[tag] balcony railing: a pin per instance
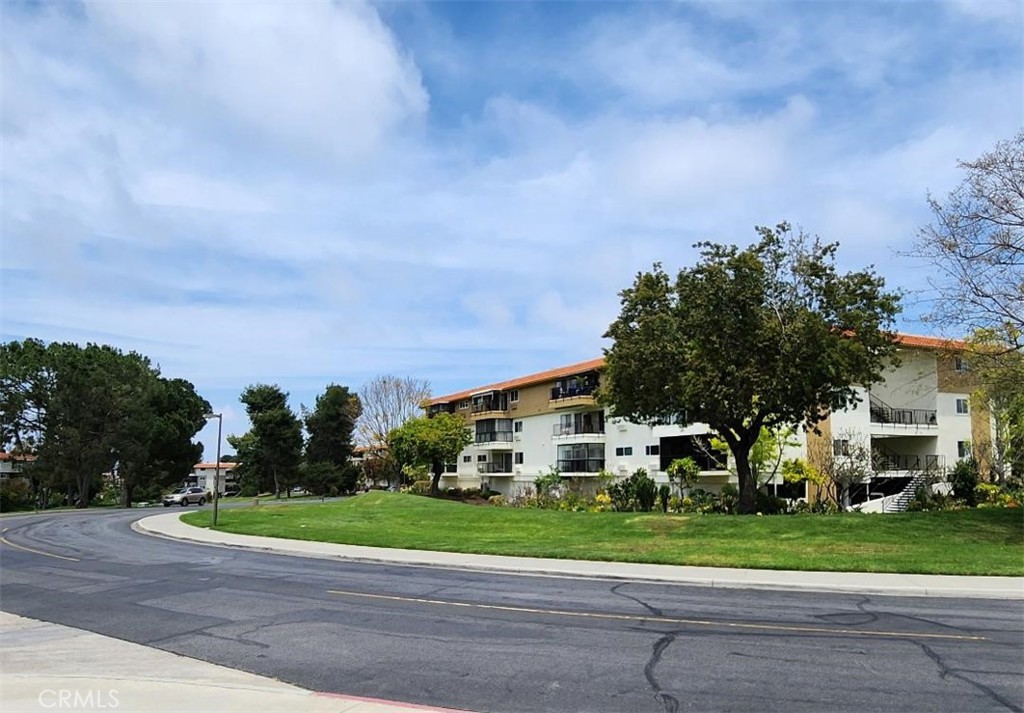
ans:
(494, 468)
(882, 412)
(494, 437)
(489, 406)
(889, 462)
(581, 465)
(569, 392)
(572, 429)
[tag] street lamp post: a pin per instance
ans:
(216, 471)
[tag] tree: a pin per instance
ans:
(975, 242)
(430, 441)
(766, 456)
(272, 449)
(836, 466)
(86, 411)
(685, 472)
(1000, 376)
(158, 450)
(769, 336)
(330, 426)
(387, 402)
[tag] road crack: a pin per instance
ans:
(653, 610)
(670, 702)
(945, 671)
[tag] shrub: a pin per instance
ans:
(964, 479)
(420, 487)
(15, 494)
(453, 492)
(498, 501)
(602, 503)
(771, 505)
(646, 490)
(729, 497)
(663, 493)
(990, 495)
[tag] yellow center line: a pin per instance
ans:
(38, 552)
(661, 619)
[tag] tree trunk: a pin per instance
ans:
(435, 482)
(748, 483)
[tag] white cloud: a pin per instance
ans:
(325, 76)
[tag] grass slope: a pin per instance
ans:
(980, 542)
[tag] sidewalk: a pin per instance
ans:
(48, 666)
(917, 585)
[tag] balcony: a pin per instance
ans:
(884, 414)
(562, 430)
(892, 462)
(580, 465)
(494, 439)
(567, 396)
(494, 468)
(489, 405)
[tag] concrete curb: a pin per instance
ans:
(170, 526)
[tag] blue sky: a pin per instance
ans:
(307, 193)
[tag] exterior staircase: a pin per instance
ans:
(899, 504)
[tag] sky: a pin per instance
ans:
(306, 193)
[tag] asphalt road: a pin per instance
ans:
(495, 642)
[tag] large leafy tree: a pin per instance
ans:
(159, 450)
(430, 441)
(330, 425)
(768, 336)
(271, 450)
(85, 411)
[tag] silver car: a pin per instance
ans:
(184, 496)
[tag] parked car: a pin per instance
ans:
(184, 496)
(231, 493)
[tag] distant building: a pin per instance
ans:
(203, 475)
(11, 465)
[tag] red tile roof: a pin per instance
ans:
(905, 340)
(225, 465)
(538, 378)
(912, 340)
(10, 456)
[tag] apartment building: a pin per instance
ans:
(920, 418)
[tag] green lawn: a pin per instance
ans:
(987, 541)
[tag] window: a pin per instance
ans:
(961, 365)
(513, 395)
(962, 407)
(467, 459)
(518, 457)
(517, 427)
(482, 458)
(652, 450)
(581, 458)
(624, 451)
(464, 404)
(451, 467)
(963, 449)
(841, 447)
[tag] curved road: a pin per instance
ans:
(497, 642)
